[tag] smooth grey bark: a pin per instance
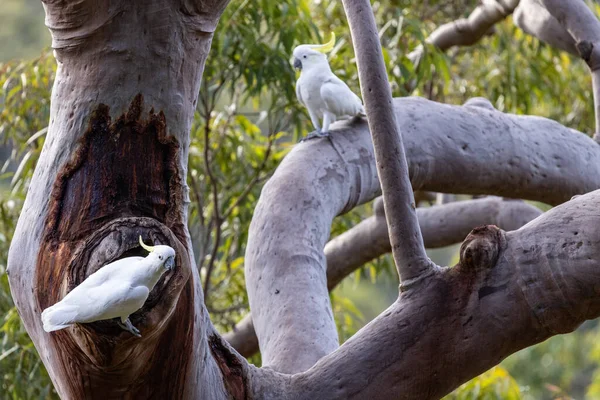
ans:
(468, 31)
(577, 18)
(469, 149)
(510, 290)
(533, 18)
(441, 226)
(111, 48)
(556, 23)
(408, 249)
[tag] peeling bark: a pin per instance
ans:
(113, 167)
(440, 225)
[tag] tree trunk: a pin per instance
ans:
(114, 167)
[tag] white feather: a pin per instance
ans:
(116, 290)
(324, 95)
(340, 100)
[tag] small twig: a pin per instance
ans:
(200, 206)
(216, 215)
(199, 200)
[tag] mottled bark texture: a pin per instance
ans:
(510, 290)
(469, 149)
(113, 167)
(441, 226)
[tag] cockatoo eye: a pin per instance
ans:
(160, 257)
(305, 56)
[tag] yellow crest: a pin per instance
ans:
(327, 47)
(149, 249)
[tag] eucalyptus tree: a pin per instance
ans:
(114, 166)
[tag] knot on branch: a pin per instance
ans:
(480, 102)
(585, 48)
(481, 248)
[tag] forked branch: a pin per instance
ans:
(441, 225)
(469, 149)
(576, 18)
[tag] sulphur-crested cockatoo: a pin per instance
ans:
(325, 95)
(116, 290)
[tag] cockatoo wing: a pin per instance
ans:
(111, 270)
(95, 303)
(339, 99)
(299, 92)
(59, 316)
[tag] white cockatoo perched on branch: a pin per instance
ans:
(325, 95)
(116, 290)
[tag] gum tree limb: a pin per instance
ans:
(468, 31)
(408, 249)
(470, 149)
(509, 291)
(441, 226)
(578, 20)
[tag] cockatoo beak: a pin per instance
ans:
(170, 263)
(297, 64)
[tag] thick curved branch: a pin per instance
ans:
(509, 291)
(581, 23)
(468, 31)
(408, 250)
(469, 149)
(578, 20)
(532, 17)
(440, 226)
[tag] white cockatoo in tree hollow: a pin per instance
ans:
(324, 95)
(116, 290)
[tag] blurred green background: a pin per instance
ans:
(248, 118)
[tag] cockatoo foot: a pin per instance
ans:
(314, 134)
(128, 326)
